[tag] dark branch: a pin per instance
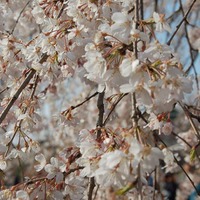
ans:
(100, 106)
(21, 88)
(16, 95)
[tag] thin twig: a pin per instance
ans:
(61, 10)
(187, 113)
(73, 170)
(172, 16)
(95, 194)
(181, 139)
(113, 108)
(4, 90)
(35, 180)
(191, 64)
(190, 47)
(191, 181)
(179, 25)
(80, 104)
(16, 22)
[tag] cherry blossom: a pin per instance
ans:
(161, 24)
(42, 162)
(53, 169)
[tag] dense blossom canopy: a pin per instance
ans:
(93, 104)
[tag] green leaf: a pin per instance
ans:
(192, 154)
(125, 189)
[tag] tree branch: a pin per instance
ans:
(99, 124)
(21, 88)
(16, 95)
(100, 106)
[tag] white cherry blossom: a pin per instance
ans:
(54, 170)
(42, 162)
(161, 24)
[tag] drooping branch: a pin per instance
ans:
(178, 163)
(179, 25)
(20, 14)
(190, 46)
(188, 115)
(178, 136)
